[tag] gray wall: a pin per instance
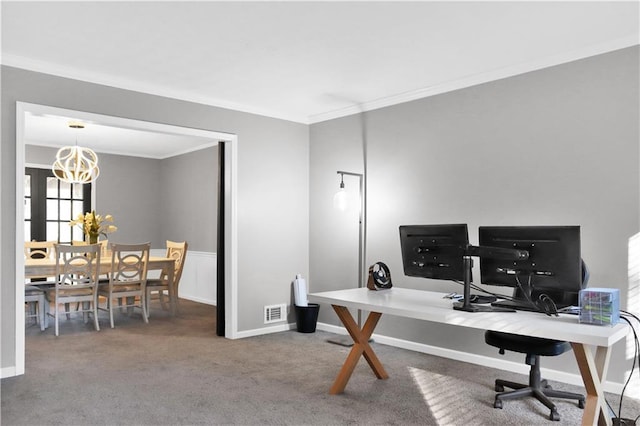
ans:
(136, 208)
(272, 187)
(555, 146)
(188, 199)
(129, 189)
(169, 200)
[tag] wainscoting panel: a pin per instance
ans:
(198, 282)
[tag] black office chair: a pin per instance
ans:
(534, 348)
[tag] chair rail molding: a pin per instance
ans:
(198, 281)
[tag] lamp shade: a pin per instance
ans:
(76, 164)
(340, 199)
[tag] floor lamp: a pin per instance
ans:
(340, 203)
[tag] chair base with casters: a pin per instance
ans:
(538, 388)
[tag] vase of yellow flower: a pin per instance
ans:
(93, 225)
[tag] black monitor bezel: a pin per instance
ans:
(446, 247)
(541, 242)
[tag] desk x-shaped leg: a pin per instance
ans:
(361, 347)
(593, 371)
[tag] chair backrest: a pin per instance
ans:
(77, 266)
(129, 264)
(178, 252)
(39, 249)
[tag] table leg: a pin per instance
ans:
(593, 371)
(361, 347)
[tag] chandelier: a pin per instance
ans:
(75, 164)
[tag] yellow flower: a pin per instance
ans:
(93, 224)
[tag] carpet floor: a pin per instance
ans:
(175, 371)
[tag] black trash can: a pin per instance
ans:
(307, 317)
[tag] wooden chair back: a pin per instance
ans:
(129, 264)
(77, 267)
(178, 252)
(39, 249)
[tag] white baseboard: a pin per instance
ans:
(8, 372)
(198, 282)
(266, 330)
(514, 367)
(198, 299)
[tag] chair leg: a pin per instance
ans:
(85, 312)
(95, 314)
(45, 313)
(501, 384)
(111, 312)
(161, 298)
(57, 314)
(130, 302)
(42, 315)
(147, 301)
(145, 313)
(538, 388)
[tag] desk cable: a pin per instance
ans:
(618, 419)
(545, 304)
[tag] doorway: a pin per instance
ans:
(229, 284)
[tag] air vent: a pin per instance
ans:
(275, 313)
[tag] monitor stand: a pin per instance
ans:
(466, 304)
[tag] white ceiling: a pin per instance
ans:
(306, 61)
(54, 131)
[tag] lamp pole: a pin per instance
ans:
(362, 244)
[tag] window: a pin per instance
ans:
(49, 205)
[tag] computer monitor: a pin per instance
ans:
(434, 251)
(553, 268)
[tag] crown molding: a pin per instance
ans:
(137, 86)
(448, 86)
(476, 79)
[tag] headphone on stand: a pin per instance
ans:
(379, 277)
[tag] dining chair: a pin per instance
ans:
(35, 287)
(127, 279)
(77, 269)
(39, 249)
(178, 252)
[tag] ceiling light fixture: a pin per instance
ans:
(75, 164)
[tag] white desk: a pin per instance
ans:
(430, 306)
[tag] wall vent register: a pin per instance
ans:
(275, 313)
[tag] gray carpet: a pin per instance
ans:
(175, 371)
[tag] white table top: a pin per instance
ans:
(431, 306)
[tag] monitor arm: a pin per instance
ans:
(483, 251)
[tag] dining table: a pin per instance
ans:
(47, 268)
